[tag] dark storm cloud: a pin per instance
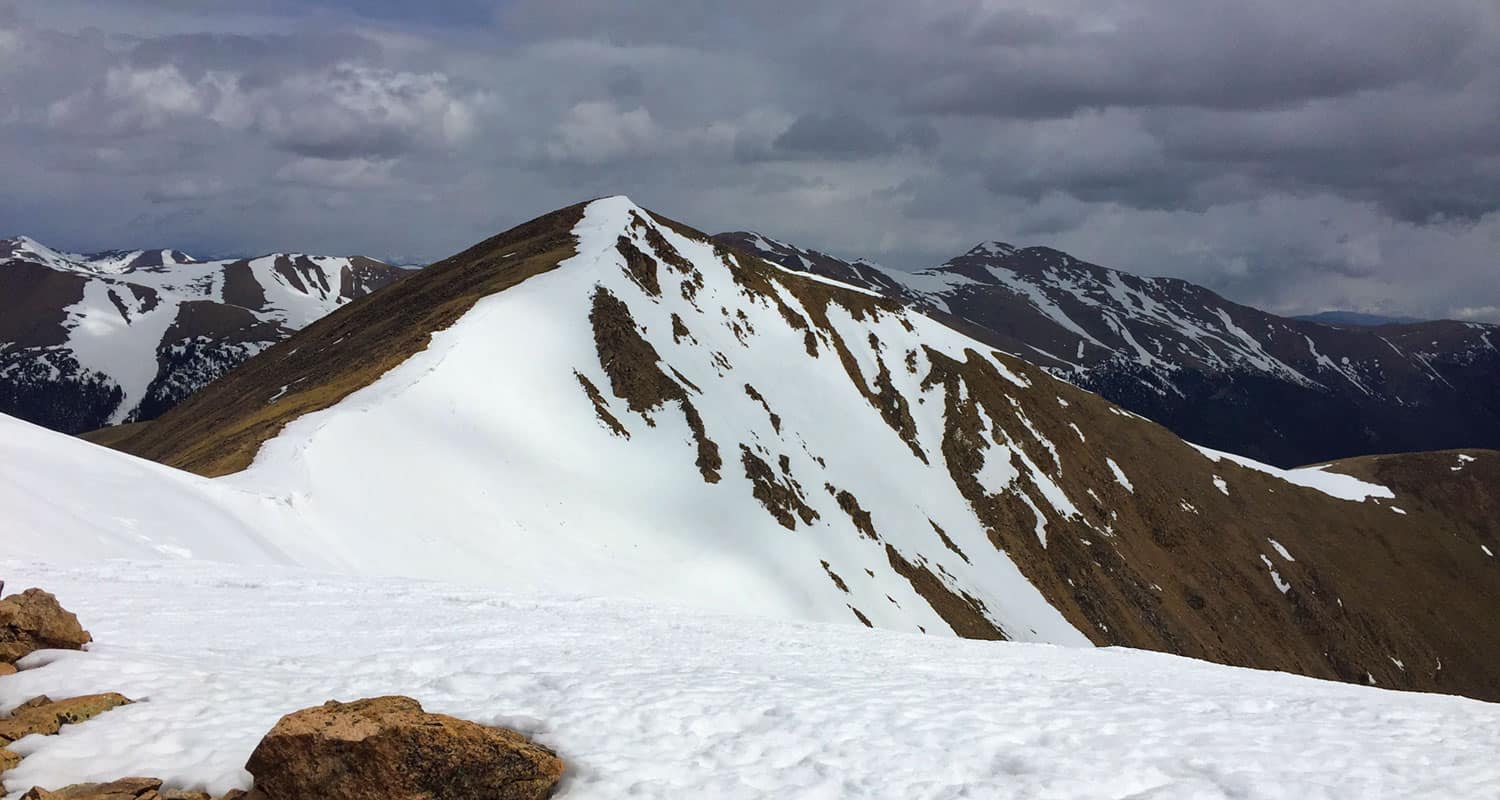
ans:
(845, 135)
(1295, 153)
(1203, 54)
(624, 82)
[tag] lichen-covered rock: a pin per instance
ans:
(388, 747)
(46, 717)
(8, 759)
(7, 669)
(34, 620)
(39, 700)
(123, 789)
(184, 794)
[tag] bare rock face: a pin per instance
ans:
(46, 717)
(388, 747)
(123, 789)
(33, 620)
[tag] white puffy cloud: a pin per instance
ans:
(356, 111)
(343, 111)
(599, 131)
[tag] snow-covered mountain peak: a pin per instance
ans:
(106, 262)
(25, 248)
(991, 248)
(120, 262)
(605, 401)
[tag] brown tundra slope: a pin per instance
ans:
(966, 465)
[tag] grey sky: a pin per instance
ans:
(1294, 154)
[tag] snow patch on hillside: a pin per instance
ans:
(115, 335)
(1281, 585)
(1333, 484)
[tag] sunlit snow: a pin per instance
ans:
(651, 701)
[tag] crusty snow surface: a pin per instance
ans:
(647, 701)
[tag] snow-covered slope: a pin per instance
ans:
(1287, 391)
(647, 701)
(121, 336)
(607, 403)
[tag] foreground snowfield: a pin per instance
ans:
(648, 701)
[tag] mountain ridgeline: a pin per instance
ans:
(605, 401)
(1284, 391)
(121, 336)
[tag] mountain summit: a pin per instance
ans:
(604, 401)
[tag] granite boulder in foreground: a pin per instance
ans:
(389, 747)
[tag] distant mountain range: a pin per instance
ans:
(122, 336)
(1281, 390)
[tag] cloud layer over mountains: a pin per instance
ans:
(1293, 155)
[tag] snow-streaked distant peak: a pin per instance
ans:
(991, 248)
(106, 263)
(120, 262)
(25, 248)
(116, 331)
(115, 263)
(767, 243)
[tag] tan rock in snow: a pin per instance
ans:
(123, 789)
(388, 747)
(45, 717)
(33, 620)
(39, 700)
